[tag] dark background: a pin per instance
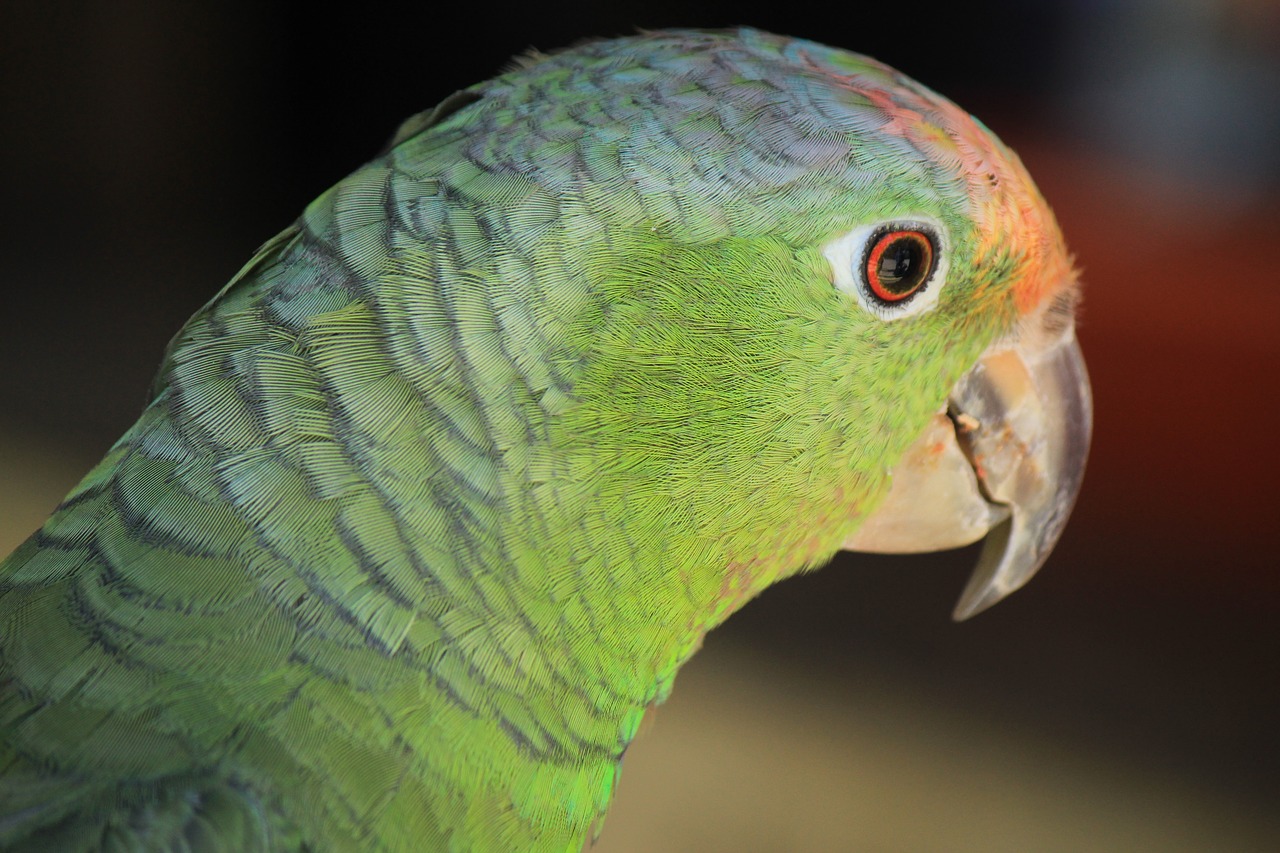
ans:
(147, 148)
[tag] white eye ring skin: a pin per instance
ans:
(847, 255)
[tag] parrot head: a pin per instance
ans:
(827, 309)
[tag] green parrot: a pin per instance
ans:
(434, 498)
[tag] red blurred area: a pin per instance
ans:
(1181, 330)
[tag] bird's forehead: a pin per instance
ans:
(789, 123)
(1012, 218)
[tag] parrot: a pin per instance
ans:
(433, 499)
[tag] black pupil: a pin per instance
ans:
(901, 265)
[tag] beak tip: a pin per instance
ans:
(971, 605)
(1005, 565)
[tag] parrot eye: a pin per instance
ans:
(895, 269)
(898, 264)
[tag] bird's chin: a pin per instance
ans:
(1004, 459)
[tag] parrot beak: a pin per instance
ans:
(1004, 460)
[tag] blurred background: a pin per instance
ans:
(1126, 700)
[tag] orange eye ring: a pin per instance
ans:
(898, 264)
